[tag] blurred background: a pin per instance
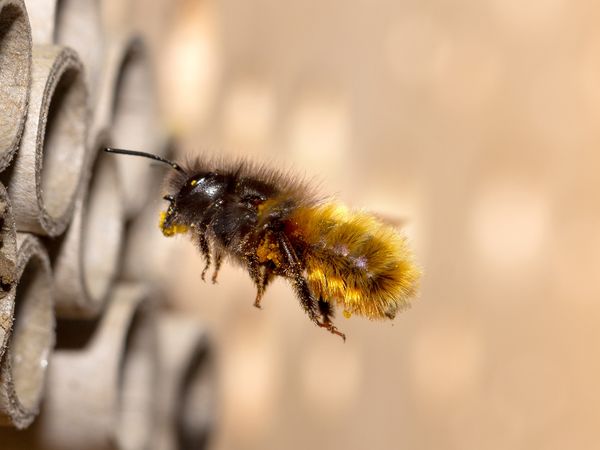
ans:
(473, 122)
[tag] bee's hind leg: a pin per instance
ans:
(312, 307)
(327, 314)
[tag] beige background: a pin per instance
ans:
(477, 123)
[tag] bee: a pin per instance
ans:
(274, 225)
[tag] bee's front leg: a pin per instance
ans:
(205, 251)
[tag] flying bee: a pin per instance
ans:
(273, 225)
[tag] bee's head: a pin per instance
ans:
(195, 195)
(168, 219)
(192, 194)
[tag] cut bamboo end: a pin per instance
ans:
(23, 368)
(78, 25)
(185, 406)
(8, 268)
(48, 166)
(87, 259)
(100, 389)
(127, 106)
(15, 76)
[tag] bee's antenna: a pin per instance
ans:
(121, 151)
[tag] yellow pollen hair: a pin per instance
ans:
(356, 261)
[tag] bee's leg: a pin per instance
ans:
(268, 276)
(257, 273)
(327, 313)
(325, 309)
(218, 261)
(296, 276)
(205, 250)
(203, 245)
(264, 278)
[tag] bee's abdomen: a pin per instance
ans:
(355, 260)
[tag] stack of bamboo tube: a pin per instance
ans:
(88, 359)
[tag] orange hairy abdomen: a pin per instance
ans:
(354, 260)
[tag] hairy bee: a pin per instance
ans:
(274, 226)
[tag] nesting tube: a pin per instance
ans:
(127, 106)
(15, 76)
(102, 379)
(86, 259)
(78, 25)
(47, 168)
(24, 365)
(41, 16)
(8, 265)
(146, 249)
(138, 384)
(72, 23)
(185, 403)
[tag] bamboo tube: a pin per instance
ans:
(100, 390)
(138, 386)
(185, 403)
(87, 258)
(146, 251)
(78, 25)
(41, 16)
(48, 166)
(23, 368)
(127, 105)
(15, 76)
(8, 259)
(71, 23)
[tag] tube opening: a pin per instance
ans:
(64, 142)
(196, 397)
(33, 333)
(137, 383)
(102, 228)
